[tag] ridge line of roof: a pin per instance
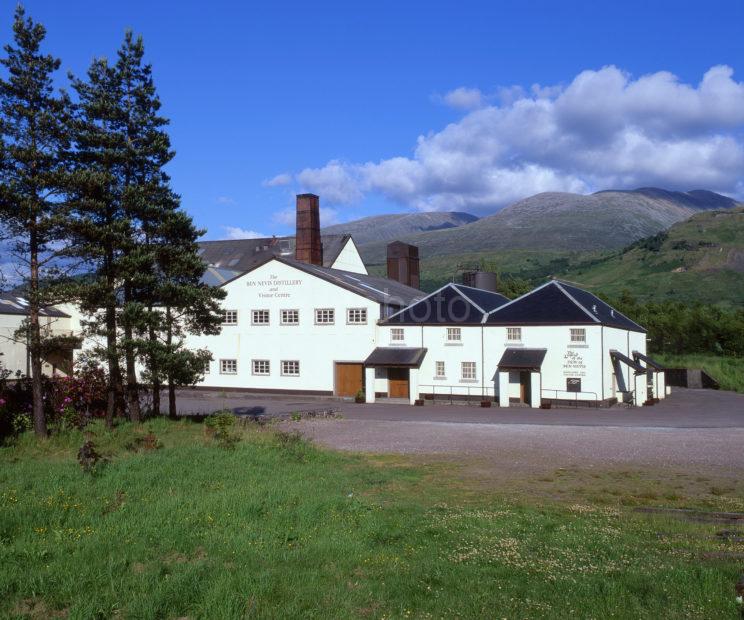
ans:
(612, 308)
(441, 288)
(516, 299)
(571, 297)
(456, 287)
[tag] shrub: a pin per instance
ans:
(90, 460)
(220, 427)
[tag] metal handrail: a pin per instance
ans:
(575, 394)
(472, 390)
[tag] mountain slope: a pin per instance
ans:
(700, 259)
(565, 222)
(390, 227)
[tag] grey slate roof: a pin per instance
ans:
(399, 357)
(621, 357)
(560, 303)
(12, 304)
(453, 304)
(376, 288)
(522, 359)
(242, 254)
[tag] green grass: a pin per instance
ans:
(728, 371)
(276, 528)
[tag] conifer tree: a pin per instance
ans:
(34, 166)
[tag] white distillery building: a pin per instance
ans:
(302, 315)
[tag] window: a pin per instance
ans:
(396, 334)
(468, 371)
(356, 316)
(228, 367)
(261, 367)
(290, 317)
(291, 368)
(260, 317)
(440, 370)
(325, 316)
(578, 335)
(454, 334)
(229, 317)
(514, 334)
(206, 367)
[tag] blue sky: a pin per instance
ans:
(392, 106)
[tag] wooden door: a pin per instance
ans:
(349, 379)
(398, 382)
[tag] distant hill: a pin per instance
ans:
(390, 227)
(563, 222)
(700, 259)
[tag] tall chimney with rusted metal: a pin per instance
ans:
(403, 263)
(308, 247)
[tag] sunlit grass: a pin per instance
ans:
(276, 528)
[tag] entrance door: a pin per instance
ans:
(349, 379)
(398, 382)
(525, 385)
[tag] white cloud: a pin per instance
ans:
(280, 179)
(233, 232)
(226, 200)
(603, 130)
(464, 98)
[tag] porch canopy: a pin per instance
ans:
(618, 358)
(649, 362)
(395, 357)
(521, 359)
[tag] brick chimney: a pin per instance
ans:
(403, 263)
(308, 247)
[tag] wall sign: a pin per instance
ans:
(573, 364)
(273, 287)
(573, 384)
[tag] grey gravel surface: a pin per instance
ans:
(533, 447)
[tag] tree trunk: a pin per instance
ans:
(154, 369)
(34, 341)
(114, 382)
(133, 403)
(172, 411)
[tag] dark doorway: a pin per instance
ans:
(525, 386)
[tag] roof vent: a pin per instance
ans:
(594, 308)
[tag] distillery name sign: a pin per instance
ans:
(273, 287)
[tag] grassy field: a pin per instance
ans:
(276, 528)
(728, 371)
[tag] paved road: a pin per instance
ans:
(683, 409)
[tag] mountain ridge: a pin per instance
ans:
(605, 220)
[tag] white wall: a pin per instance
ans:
(13, 356)
(275, 286)
(349, 259)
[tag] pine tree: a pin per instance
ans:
(188, 305)
(100, 227)
(34, 167)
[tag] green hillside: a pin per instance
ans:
(700, 259)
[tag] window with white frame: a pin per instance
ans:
(439, 370)
(260, 367)
(454, 334)
(396, 334)
(290, 317)
(259, 317)
(356, 316)
(228, 367)
(468, 371)
(229, 317)
(325, 316)
(514, 334)
(291, 368)
(206, 367)
(578, 335)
